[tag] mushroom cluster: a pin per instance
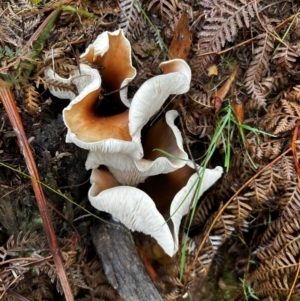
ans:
(142, 177)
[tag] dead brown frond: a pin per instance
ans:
(131, 18)
(222, 23)
(198, 114)
(282, 117)
(31, 101)
(27, 252)
(58, 85)
(258, 67)
(286, 59)
(166, 8)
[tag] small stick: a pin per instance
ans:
(294, 151)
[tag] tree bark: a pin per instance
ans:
(122, 264)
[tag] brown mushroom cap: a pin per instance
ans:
(112, 52)
(128, 170)
(166, 187)
(88, 127)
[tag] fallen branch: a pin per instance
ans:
(122, 264)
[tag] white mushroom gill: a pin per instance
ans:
(138, 212)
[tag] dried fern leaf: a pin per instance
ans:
(286, 59)
(205, 258)
(57, 85)
(131, 19)
(213, 200)
(31, 101)
(23, 242)
(276, 287)
(289, 203)
(274, 83)
(284, 242)
(294, 95)
(287, 170)
(258, 68)
(219, 29)
(241, 212)
(198, 115)
(206, 207)
(267, 150)
(263, 188)
(281, 118)
(223, 229)
(270, 234)
(48, 269)
(166, 8)
(221, 25)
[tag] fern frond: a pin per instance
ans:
(267, 150)
(263, 188)
(270, 234)
(131, 19)
(289, 203)
(166, 8)
(286, 59)
(274, 83)
(222, 27)
(213, 200)
(198, 115)
(223, 228)
(206, 207)
(276, 287)
(31, 101)
(241, 211)
(281, 118)
(57, 85)
(287, 169)
(258, 67)
(294, 95)
(23, 242)
(206, 256)
(280, 265)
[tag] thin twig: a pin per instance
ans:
(294, 282)
(294, 151)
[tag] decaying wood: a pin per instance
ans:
(121, 262)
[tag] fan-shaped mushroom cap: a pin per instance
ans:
(130, 206)
(145, 103)
(119, 133)
(175, 192)
(183, 200)
(154, 92)
(85, 128)
(163, 135)
(137, 211)
(112, 52)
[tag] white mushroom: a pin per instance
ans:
(163, 135)
(137, 211)
(154, 162)
(115, 141)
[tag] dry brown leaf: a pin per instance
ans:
(181, 43)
